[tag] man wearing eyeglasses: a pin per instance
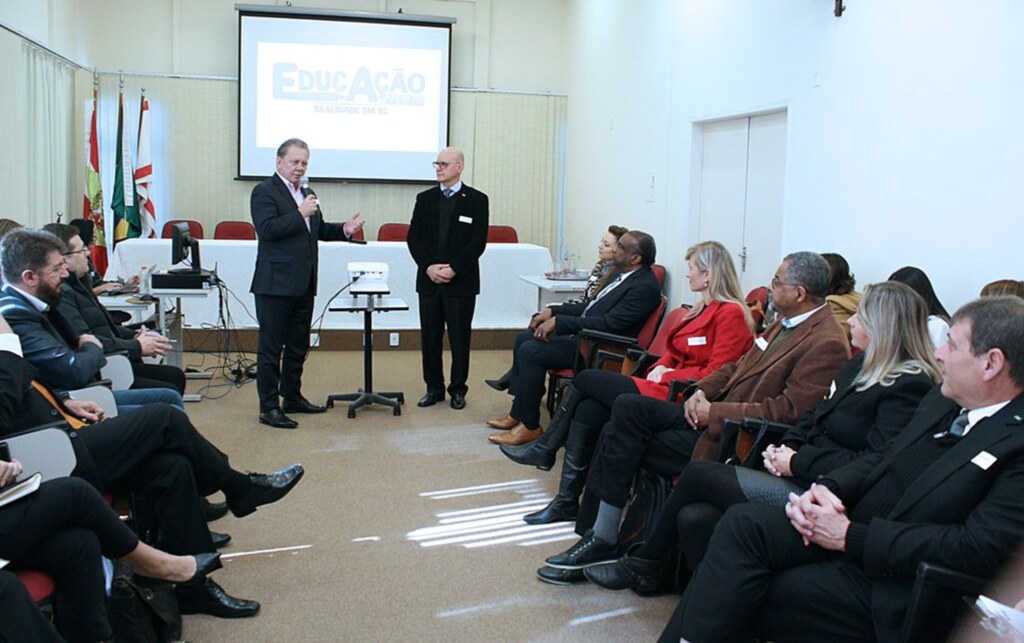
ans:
(447, 235)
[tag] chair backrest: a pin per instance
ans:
(46, 451)
(659, 344)
(502, 234)
(650, 327)
(359, 235)
(234, 230)
(118, 370)
(659, 274)
(757, 301)
(194, 228)
(40, 585)
(393, 232)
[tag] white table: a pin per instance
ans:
(554, 291)
(505, 301)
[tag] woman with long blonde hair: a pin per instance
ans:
(718, 329)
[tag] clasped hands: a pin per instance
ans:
(819, 516)
(543, 324)
(152, 343)
(440, 273)
(777, 460)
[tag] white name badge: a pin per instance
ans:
(465, 220)
(984, 460)
(761, 343)
(697, 341)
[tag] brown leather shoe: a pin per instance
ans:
(504, 423)
(518, 435)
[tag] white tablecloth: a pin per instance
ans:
(505, 300)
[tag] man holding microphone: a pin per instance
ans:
(289, 226)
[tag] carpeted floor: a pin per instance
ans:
(404, 528)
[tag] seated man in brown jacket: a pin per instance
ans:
(786, 372)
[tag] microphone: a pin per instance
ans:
(304, 187)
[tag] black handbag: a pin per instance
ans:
(142, 613)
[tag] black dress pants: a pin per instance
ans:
(282, 348)
(158, 376)
(156, 452)
(438, 311)
(759, 578)
(531, 360)
(642, 432)
(62, 529)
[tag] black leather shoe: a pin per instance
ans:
(210, 598)
(643, 575)
(205, 564)
(277, 419)
(589, 551)
(265, 488)
(219, 540)
(558, 510)
(458, 401)
(214, 510)
(531, 454)
(560, 576)
(500, 384)
(302, 405)
(430, 399)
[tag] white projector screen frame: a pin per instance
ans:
(369, 93)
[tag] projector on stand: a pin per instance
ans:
(368, 277)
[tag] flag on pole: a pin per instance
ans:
(144, 172)
(93, 205)
(124, 202)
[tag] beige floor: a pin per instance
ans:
(369, 545)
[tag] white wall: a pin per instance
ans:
(903, 144)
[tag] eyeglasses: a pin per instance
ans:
(441, 165)
(776, 282)
(72, 253)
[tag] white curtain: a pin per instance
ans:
(50, 137)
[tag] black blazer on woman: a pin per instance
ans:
(852, 422)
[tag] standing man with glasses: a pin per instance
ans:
(447, 235)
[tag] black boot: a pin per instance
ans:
(500, 384)
(541, 453)
(566, 505)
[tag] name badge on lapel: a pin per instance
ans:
(761, 343)
(465, 219)
(984, 460)
(697, 341)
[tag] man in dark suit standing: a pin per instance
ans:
(839, 562)
(447, 235)
(289, 226)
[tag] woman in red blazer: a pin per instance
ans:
(717, 330)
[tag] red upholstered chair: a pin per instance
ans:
(393, 232)
(39, 584)
(659, 274)
(194, 228)
(359, 235)
(758, 302)
(502, 234)
(595, 347)
(234, 230)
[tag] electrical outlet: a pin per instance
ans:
(394, 339)
(314, 339)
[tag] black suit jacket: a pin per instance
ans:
(467, 239)
(61, 365)
(964, 512)
(287, 253)
(851, 422)
(83, 310)
(622, 310)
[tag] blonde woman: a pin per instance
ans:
(717, 330)
(873, 398)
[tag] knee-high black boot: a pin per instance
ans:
(502, 383)
(542, 451)
(579, 449)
